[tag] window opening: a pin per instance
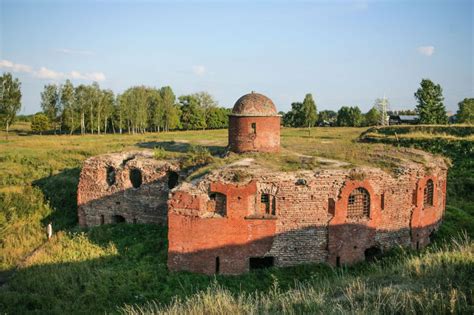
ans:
(274, 205)
(372, 253)
(118, 219)
(261, 262)
(110, 176)
(428, 193)
(382, 201)
(331, 206)
(358, 203)
(135, 177)
(265, 203)
(254, 128)
(218, 264)
(173, 178)
(217, 203)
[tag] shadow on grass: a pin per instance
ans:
(180, 147)
(69, 280)
(60, 191)
(135, 274)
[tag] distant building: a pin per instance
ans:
(404, 119)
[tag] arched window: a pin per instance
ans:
(173, 178)
(118, 219)
(136, 177)
(428, 194)
(358, 205)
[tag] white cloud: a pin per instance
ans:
(15, 67)
(93, 76)
(199, 70)
(74, 52)
(45, 73)
(426, 50)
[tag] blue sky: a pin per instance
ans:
(343, 52)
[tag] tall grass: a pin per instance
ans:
(99, 269)
(437, 282)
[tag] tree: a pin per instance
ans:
(50, 103)
(205, 100)
(327, 116)
(171, 112)
(40, 123)
(192, 115)
(309, 111)
(10, 99)
(382, 105)
(349, 117)
(295, 117)
(465, 112)
(430, 103)
(372, 118)
(217, 117)
(69, 116)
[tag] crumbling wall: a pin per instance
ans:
(310, 222)
(131, 187)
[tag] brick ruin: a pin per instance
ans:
(244, 216)
(125, 187)
(338, 216)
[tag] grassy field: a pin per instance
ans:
(122, 268)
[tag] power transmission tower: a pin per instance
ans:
(383, 107)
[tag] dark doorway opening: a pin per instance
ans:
(432, 236)
(261, 262)
(218, 264)
(118, 219)
(110, 178)
(135, 177)
(372, 253)
(102, 220)
(173, 178)
(338, 261)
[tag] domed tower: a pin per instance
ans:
(254, 125)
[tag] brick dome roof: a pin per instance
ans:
(254, 104)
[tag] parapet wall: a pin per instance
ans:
(286, 219)
(131, 187)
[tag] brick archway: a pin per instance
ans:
(349, 238)
(425, 218)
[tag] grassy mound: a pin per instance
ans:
(122, 268)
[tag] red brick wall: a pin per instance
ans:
(425, 219)
(196, 241)
(266, 139)
(304, 230)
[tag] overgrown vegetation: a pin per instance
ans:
(122, 268)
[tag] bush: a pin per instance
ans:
(197, 156)
(40, 123)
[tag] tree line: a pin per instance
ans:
(91, 109)
(430, 109)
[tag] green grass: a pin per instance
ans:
(122, 268)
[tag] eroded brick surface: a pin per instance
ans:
(106, 192)
(306, 228)
(243, 139)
